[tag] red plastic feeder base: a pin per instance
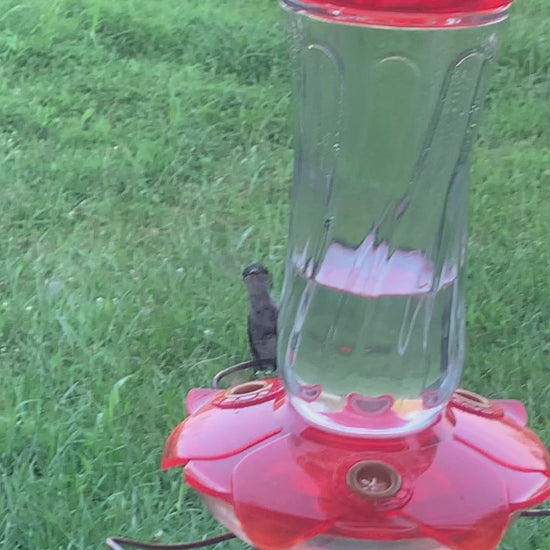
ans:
(279, 483)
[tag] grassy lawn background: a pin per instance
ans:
(145, 157)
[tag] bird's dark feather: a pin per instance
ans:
(251, 345)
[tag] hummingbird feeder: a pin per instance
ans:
(364, 440)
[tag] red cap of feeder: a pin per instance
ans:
(407, 13)
(423, 5)
(277, 482)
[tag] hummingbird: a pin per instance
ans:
(262, 316)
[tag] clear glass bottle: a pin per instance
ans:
(371, 326)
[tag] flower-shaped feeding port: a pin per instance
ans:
(279, 483)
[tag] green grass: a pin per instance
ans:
(145, 157)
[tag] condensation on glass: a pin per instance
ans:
(371, 327)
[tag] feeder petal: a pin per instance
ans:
(503, 441)
(223, 424)
(277, 505)
(171, 456)
(526, 490)
(459, 492)
(514, 410)
(212, 477)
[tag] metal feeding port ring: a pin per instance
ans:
(373, 479)
(477, 404)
